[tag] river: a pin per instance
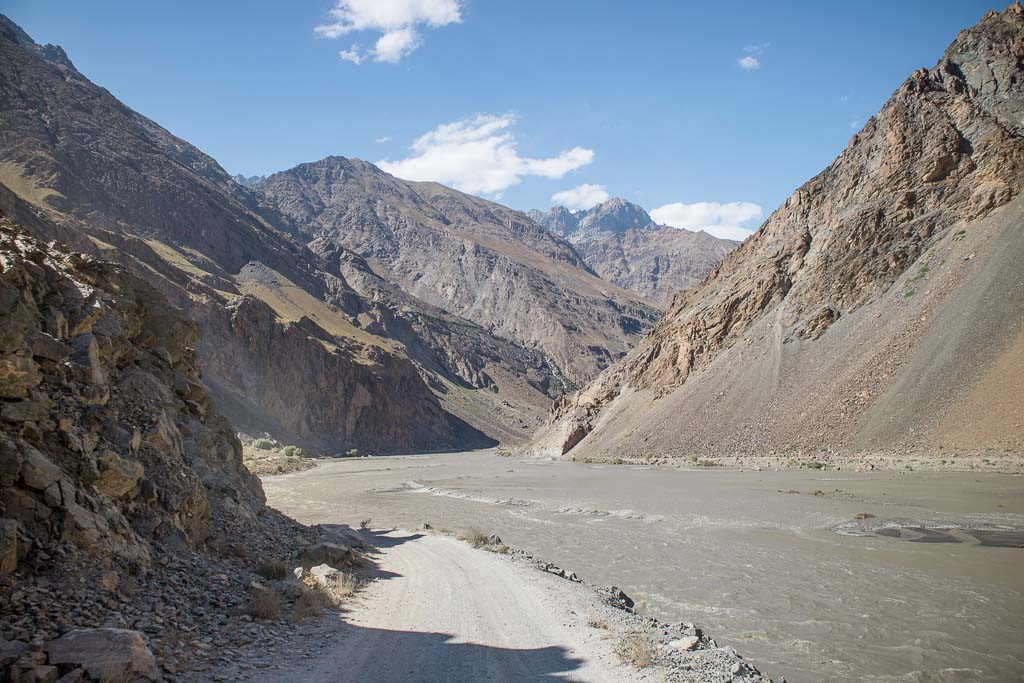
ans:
(927, 586)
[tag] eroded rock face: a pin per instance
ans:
(946, 148)
(472, 258)
(116, 446)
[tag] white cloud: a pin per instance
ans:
(353, 54)
(394, 45)
(479, 155)
(581, 196)
(729, 221)
(395, 20)
(749, 63)
(755, 49)
(382, 139)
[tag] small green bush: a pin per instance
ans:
(264, 444)
(292, 451)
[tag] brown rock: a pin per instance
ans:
(18, 374)
(333, 554)
(37, 471)
(106, 653)
(118, 475)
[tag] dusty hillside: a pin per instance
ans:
(877, 309)
(620, 242)
(473, 258)
(288, 346)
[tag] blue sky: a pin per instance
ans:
(518, 100)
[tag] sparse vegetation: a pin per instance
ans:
(959, 235)
(352, 453)
(265, 604)
(618, 461)
(474, 537)
(636, 648)
(365, 524)
(273, 570)
(292, 452)
(597, 622)
(264, 444)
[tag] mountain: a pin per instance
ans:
(620, 242)
(470, 257)
(282, 344)
(880, 308)
(657, 262)
(247, 181)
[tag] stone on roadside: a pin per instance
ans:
(333, 554)
(105, 653)
(685, 644)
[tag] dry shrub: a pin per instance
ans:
(273, 570)
(365, 524)
(636, 648)
(474, 537)
(597, 622)
(318, 597)
(265, 604)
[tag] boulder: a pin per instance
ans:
(45, 346)
(10, 652)
(24, 411)
(87, 355)
(687, 643)
(8, 546)
(333, 554)
(105, 653)
(118, 475)
(37, 471)
(44, 673)
(18, 374)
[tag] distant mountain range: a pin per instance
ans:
(622, 244)
(339, 306)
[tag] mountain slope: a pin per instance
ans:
(281, 342)
(473, 258)
(620, 242)
(879, 308)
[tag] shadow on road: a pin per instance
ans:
(383, 656)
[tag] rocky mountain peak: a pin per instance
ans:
(51, 53)
(614, 215)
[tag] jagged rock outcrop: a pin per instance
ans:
(870, 311)
(130, 530)
(620, 242)
(473, 258)
(108, 438)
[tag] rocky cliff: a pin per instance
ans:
(620, 242)
(131, 534)
(472, 258)
(877, 308)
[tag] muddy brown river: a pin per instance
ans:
(927, 586)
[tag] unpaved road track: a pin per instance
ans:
(441, 611)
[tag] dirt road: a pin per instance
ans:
(439, 610)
